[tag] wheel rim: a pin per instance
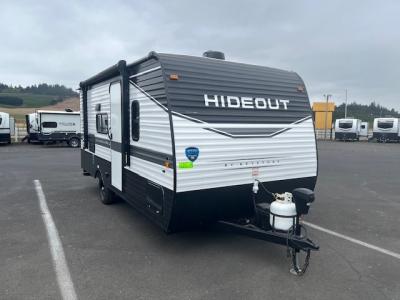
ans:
(102, 189)
(74, 143)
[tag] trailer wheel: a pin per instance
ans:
(74, 142)
(106, 196)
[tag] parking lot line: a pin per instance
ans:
(56, 249)
(353, 240)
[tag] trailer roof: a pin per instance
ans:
(59, 112)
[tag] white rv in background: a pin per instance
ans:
(386, 129)
(350, 129)
(32, 127)
(59, 126)
(7, 124)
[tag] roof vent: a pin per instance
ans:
(214, 54)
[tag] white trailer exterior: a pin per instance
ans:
(6, 127)
(184, 138)
(59, 126)
(189, 140)
(386, 129)
(348, 129)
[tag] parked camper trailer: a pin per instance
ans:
(6, 127)
(59, 126)
(386, 129)
(350, 129)
(190, 140)
(32, 127)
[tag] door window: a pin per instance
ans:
(49, 124)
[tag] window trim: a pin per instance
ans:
(101, 130)
(135, 121)
(52, 122)
(385, 124)
(345, 124)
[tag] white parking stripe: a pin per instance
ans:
(353, 240)
(57, 253)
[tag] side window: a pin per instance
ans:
(49, 124)
(135, 119)
(362, 126)
(102, 123)
(1, 120)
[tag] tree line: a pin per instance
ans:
(40, 89)
(365, 112)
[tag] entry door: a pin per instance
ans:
(364, 129)
(115, 135)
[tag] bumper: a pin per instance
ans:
(345, 136)
(382, 136)
(5, 138)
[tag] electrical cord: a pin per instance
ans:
(266, 190)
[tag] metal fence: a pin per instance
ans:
(19, 133)
(329, 134)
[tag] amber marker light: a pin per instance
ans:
(167, 164)
(173, 77)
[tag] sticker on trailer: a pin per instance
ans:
(192, 153)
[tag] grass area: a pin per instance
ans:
(19, 112)
(31, 100)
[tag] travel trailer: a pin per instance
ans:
(59, 126)
(200, 140)
(386, 129)
(6, 127)
(350, 129)
(32, 127)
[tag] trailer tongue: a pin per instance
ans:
(278, 222)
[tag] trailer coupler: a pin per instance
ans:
(295, 243)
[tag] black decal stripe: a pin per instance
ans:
(240, 136)
(146, 154)
(116, 146)
(150, 155)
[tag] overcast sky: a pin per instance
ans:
(333, 45)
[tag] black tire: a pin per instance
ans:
(74, 142)
(106, 196)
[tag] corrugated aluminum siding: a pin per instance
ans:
(99, 94)
(199, 76)
(227, 161)
(155, 131)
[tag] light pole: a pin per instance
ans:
(326, 114)
(345, 107)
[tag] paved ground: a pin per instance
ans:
(115, 253)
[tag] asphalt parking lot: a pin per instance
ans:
(114, 253)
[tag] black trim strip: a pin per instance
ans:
(146, 154)
(150, 155)
(116, 146)
(242, 136)
(102, 142)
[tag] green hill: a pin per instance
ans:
(34, 96)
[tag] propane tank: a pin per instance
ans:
(282, 206)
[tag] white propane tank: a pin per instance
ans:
(282, 206)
